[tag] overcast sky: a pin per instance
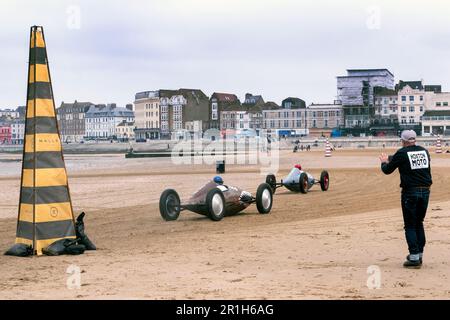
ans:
(277, 48)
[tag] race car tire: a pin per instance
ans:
(271, 180)
(303, 182)
(264, 198)
(169, 205)
(215, 202)
(324, 180)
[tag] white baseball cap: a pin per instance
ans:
(408, 135)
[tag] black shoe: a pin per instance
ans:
(407, 258)
(412, 264)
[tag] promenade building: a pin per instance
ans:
(218, 101)
(71, 120)
(102, 120)
(355, 91)
(323, 118)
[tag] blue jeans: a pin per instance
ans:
(414, 206)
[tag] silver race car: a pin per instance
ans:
(215, 200)
(299, 181)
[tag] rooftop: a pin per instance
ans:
(369, 70)
(109, 110)
(412, 84)
(224, 97)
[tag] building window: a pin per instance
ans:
(445, 104)
(438, 104)
(426, 129)
(314, 123)
(411, 109)
(421, 98)
(326, 123)
(411, 98)
(421, 108)
(403, 98)
(403, 109)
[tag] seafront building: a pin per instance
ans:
(101, 121)
(355, 92)
(71, 120)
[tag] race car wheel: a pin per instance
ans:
(216, 204)
(264, 198)
(169, 205)
(303, 182)
(324, 180)
(271, 180)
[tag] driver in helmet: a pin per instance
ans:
(310, 177)
(218, 180)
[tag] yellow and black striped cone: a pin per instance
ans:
(45, 208)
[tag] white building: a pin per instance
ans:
(148, 114)
(411, 103)
(172, 105)
(125, 131)
(323, 118)
(102, 120)
(9, 113)
(436, 123)
(18, 132)
(436, 119)
(234, 118)
(386, 107)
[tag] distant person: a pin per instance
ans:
(301, 147)
(413, 163)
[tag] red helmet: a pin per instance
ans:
(298, 166)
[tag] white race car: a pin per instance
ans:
(299, 181)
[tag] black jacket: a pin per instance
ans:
(413, 163)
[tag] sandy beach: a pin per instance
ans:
(314, 246)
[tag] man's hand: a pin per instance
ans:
(384, 158)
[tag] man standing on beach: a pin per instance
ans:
(413, 163)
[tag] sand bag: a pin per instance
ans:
(20, 250)
(81, 235)
(64, 246)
